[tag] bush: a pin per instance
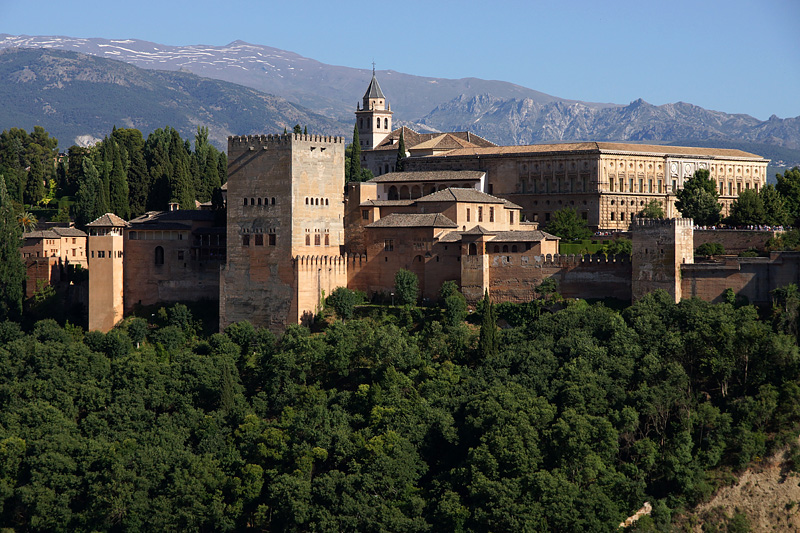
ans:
(710, 248)
(344, 301)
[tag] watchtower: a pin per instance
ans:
(105, 244)
(285, 202)
(660, 247)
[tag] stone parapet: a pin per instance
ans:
(237, 141)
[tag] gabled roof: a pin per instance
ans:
(524, 236)
(386, 203)
(478, 230)
(413, 220)
(445, 141)
(374, 89)
(429, 175)
(69, 232)
(109, 220)
(412, 138)
(454, 194)
(40, 234)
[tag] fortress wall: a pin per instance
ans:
(514, 277)
(752, 277)
(316, 277)
(734, 241)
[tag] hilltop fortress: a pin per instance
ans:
(464, 210)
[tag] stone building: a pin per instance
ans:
(606, 183)
(48, 253)
(285, 233)
(106, 269)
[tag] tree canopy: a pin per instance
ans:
(698, 199)
(567, 224)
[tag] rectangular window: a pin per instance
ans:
(365, 214)
(511, 217)
(620, 185)
(308, 239)
(547, 217)
(101, 254)
(316, 239)
(180, 255)
(641, 185)
(327, 240)
(649, 185)
(585, 215)
(630, 185)
(245, 240)
(674, 186)
(730, 189)
(272, 239)
(73, 252)
(491, 214)
(659, 186)
(468, 214)
(388, 245)
(480, 213)
(259, 239)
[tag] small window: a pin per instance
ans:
(468, 214)
(327, 240)
(159, 255)
(180, 255)
(365, 214)
(326, 201)
(252, 201)
(308, 240)
(259, 239)
(386, 123)
(388, 245)
(273, 200)
(306, 201)
(245, 240)
(491, 214)
(480, 213)
(259, 201)
(316, 239)
(245, 201)
(272, 239)
(511, 217)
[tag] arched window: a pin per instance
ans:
(496, 249)
(505, 248)
(378, 123)
(393, 194)
(245, 201)
(316, 202)
(386, 168)
(416, 192)
(513, 248)
(360, 124)
(404, 193)
(306, 201)
(472, 249)
(273, 200)
(418, 259)
(386, 123)
(159, 255)
(259, 201)
(326, 201)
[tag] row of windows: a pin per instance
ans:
(738, 187)
(156, 235)
(415, 191)
(317, 201)
(258, 239)
(257, 201)
(318, 239)
(101, 254)
(584, 216)
(377, 123)
(559, 185)
(649, 187)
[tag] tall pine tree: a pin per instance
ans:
(118, 187)
(487, 341)
(354, 165)
(12, 269)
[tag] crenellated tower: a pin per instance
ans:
(105, 262)
(285, 217)
(660, 247)
(373, 116)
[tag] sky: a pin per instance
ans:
(736, 56)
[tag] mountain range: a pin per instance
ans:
(242, 88)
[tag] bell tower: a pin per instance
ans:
(373, 116)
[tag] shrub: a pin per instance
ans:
(406, 287)
(710, 248)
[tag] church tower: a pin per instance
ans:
(373, 116)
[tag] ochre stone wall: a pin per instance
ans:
(660, 247)
(106, 284)
(514, 277)
(285, 199)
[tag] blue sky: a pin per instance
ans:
(736, 56)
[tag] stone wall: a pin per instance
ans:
(734, 241)
(660, 247)
(514, 277)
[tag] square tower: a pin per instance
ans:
(105, 244)
(660, 247)
(285, 231)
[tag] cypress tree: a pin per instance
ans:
(12, 269)
(399, 165)
(34, 186)
(118, 188)
(89, 201)
(487, 341)
(222, 168)
(305, 130)
(355, 157)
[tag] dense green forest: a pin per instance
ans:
(398, 419)
(124, 174)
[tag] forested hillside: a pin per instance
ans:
(407, 420)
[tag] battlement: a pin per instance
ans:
(642, 223)
(264, 141)
(556, 260)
